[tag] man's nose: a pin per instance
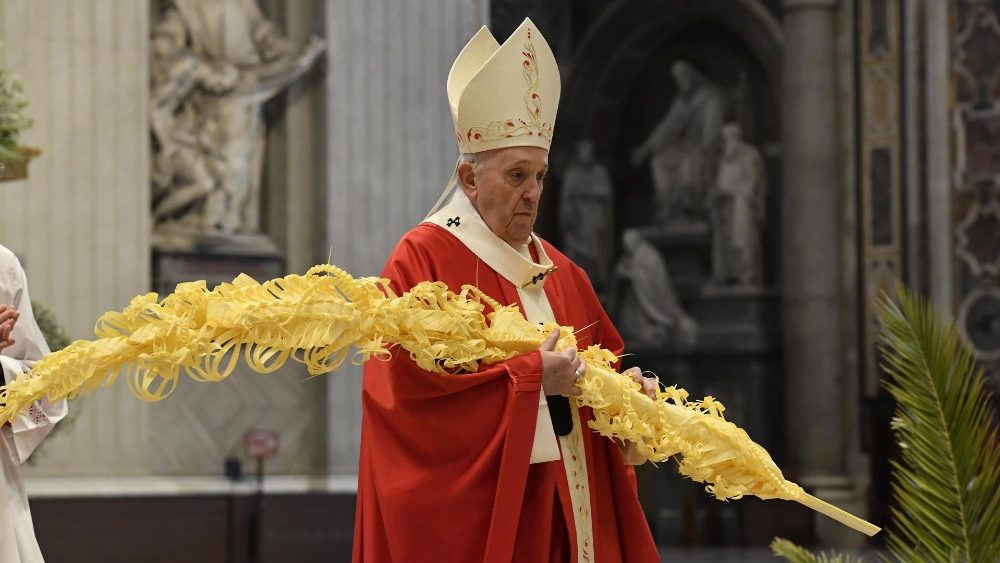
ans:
(533, 191)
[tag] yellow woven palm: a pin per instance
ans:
(317, 319)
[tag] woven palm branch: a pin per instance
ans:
(946, 486)
(317, 319)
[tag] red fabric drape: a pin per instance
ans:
(444, 473)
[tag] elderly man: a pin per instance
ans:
(21, 345)
(497, 465)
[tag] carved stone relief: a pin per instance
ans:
(215, 63)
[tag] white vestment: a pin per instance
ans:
(19, 439)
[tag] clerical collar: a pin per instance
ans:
(461, 219)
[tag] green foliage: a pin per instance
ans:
(946, 487)
(12, 118)
(54, 334)
(784, 548)
(57, 339)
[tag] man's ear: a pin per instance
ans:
(467, 179)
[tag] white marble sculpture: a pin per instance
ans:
(215, 63)
(737, 206)
(684, 147)
(647, 309)
(586, 206)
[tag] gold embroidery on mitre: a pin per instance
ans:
(515, 126)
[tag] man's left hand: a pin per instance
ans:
(649, 384)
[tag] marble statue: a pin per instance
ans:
(683, 149)
(586, 208)
(737, 210)
(215, 63)
(647, 310)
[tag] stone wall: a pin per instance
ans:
(80, 222)
(390, 149)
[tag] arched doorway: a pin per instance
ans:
(617, 86)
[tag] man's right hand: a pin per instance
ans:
(8, 318)
(559, 368)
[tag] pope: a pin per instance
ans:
(496, 465)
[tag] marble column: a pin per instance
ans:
(390, 148)
(812, 186)
(296, 146)
(937, 121)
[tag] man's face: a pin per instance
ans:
(505, 188)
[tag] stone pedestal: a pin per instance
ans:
(687, 251)
(215, 266)
(11, 170)
(742, 372)
(208, 420)
(735, 359)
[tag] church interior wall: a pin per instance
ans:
(361, 145)
(347, 195)
(80, 222)
(390, 148)
(973, 221)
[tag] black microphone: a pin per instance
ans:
(562, 416)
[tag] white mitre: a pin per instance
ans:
(504, 95)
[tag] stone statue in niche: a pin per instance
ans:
(737, 209)
(683, 149)
(215, 63)
(586, 205)
(646, 307)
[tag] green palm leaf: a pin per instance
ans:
(10, 154)
(784, 548)
(946, 486)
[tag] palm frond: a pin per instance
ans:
(796, 554)
(792, 552)
(946, 486)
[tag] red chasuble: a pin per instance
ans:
(444, 473)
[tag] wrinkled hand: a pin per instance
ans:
(8, 318)
(649, 384)
(559, 368)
